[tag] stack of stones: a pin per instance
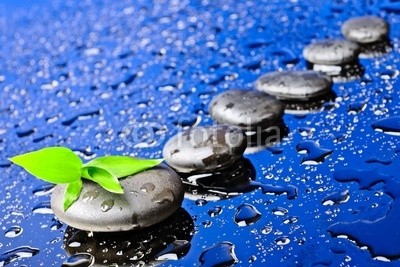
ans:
(366, 36)
(370, 33)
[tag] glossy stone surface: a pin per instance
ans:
(205, 148)
(295, 85)
(150, 197)
(246, 109)
(366, 29)
(331, 52)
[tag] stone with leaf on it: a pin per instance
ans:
(110, 178)
(149, 197)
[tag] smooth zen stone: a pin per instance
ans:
(331, 52)
(203, 149)
(149, 198)
(246, 109)
(295, 85)
(365, 30)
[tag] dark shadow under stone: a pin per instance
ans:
(375, 49)
(312, 105)
(169, 239)
(340, 73)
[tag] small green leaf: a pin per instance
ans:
(52, 164)
(72, 193)
(103, 177)
(122, 166)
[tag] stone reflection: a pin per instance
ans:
(168, 240)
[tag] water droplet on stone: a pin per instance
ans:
(147, 187)
(90, 195)
(107, 205)
(163, 196)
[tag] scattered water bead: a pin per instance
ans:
(390, 125)
(366, 29)
(246, 109)
(221, 254)
(336, 198)
(295, 85)
(79, 260)
(167, 240)
(201, 202)
(43, 190)
(43, 208)
(331, 52)
(215, 211)
(246, 214)
(282, 240)
(14, 231)
(291, 220)
(106, 212)
(315, 154)
(280, 211)
(16, 254)
(203, 149)
(266, 230)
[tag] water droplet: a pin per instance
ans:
(246, 214)
(174, 251)
(279, 211)
(14, 231)
(107, 205)
(266, 229)
(163, 196)
(201, 202)
(291, 220)
(43, 190)
(314, 153)
(90, 195)
(215, 211)
(207, 223)
(221, 254)
(282, 240)
(147, 187)
(389, 125)
(16, 254)
(43, 208)
(79, 260)
(336, 198)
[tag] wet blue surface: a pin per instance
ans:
(94, 75)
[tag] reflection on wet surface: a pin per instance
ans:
(94, 76)
(168, 240)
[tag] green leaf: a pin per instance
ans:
(72, 193)
(52, 164)
(103, 177)
(122, 166)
